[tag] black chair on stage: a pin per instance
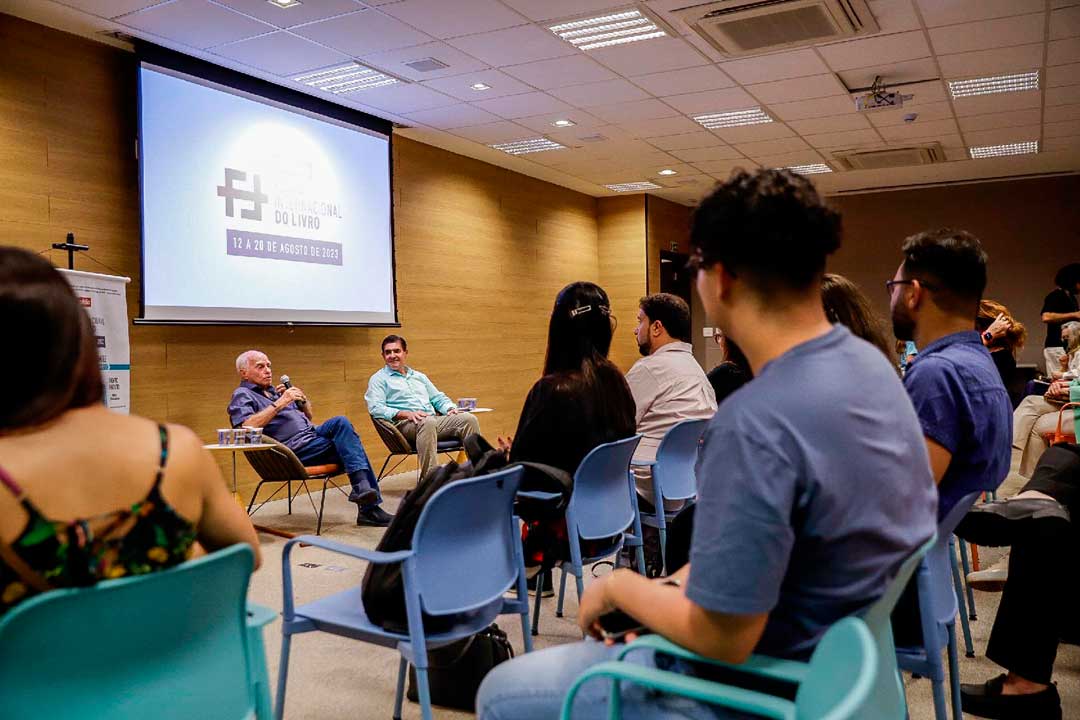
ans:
(400, 447)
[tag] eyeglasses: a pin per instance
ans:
(890, 283)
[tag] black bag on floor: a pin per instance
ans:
(455, 671)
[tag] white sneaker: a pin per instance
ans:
(993, 578)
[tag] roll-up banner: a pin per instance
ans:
(105, 299)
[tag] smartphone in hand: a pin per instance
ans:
(616, 625)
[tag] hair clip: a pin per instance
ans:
(587, 308)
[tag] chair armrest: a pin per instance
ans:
(373, 556)
(685, 686)
(791, 671)
(537, 495)
(259, 615)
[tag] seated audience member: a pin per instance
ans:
(581, 401)
(846, 304)
(1034, 417)
(1002, 335)
(87, 494)
(1038, 603)
(906, 351)
(733, 372)
(668, 385)
(1061, 305)
(285, 414)
(797, 537)
(1069, 363)
(407, 398)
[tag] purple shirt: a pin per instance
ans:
(963, 406)
(289, 426)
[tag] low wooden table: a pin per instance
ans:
(233, 449)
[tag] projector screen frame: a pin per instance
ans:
(273, 95)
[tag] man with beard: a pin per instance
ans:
(668, 385)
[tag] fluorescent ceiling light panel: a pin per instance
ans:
(734, 118)
(809, 169)
(633, 186)
(346, 78)
(1020, 148)
(284, 3)
(995, 84)
(524, 147)
(600, 31)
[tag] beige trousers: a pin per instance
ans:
(426, 435)
(1031, 419)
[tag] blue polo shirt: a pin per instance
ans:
(290, 426)
(814, 486)
(963, 406)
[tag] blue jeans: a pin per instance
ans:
(338, 443)
(532, 687)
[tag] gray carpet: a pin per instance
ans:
(331, 677)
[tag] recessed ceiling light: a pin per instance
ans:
(600, 31)
(668, 172)
(995, 84)
(1020, 148)
(284, 3)
(809, 168)
(524, 147)
(733, 118)
(633, 186)
(480, 86)
(564, 123)
(346, 78)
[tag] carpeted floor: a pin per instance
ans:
(331, 677)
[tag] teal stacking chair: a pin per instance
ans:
(171, 645)
(838, 683)
(464, 558)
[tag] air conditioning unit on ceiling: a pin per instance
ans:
(752, 27)
(921, 154)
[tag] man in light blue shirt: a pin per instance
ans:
(407, 398)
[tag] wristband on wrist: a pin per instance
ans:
(987, 336)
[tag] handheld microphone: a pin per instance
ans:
(285, 381)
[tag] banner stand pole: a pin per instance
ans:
(71, 248)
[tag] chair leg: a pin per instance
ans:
(954, 674)
(288, 491)
(257, 660)
(423, 693)
(322, 505)
(536, 604)
(383, 468)
(580, 583)
(562, 590)
(254, 495)
(663, 551)
(403, 671)
(283, 676)
(640, 553)
(958, 588)
(939, 699)
(967, 569)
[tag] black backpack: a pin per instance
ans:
(455, 671)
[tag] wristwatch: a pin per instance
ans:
(987, 336)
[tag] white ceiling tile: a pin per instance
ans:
(684, 141)
(452, 116)
(1056, 4)
(1059, 113)
(924, 92)
(894, 16)
(804, 88)
(1060, 75)
(605, 92)
(772, 147)
(999, 102)
(612, 134)
(754, 133)
(1065, 95)
(894, 74)
(659, 126)
(281, 54)
(1061, 129)
(733, 98)
(496, 132)
(639, 110)
(550, 9)
(524, 105)
(993, 121)
(847, 138)
(988, 34)
(638, 58)
(779, 66)
(929, 111)
(999, 136)
(393, 61)
(780, 160)
(721, 169)
(584, 123)
(1065, 23)
(927, 128)
(706, 154)
(952, 12)
(197, 23)
(363, 33)
(460, 86)
(1060, 144)
(1060, 52)
(680, 82)
(985, 62)
(513, 46)
(875, 51)
(560, 72)
(442, 19)
(309, 11)
(952, 154)
(818, 107)
(404, 98)
(109, 8)
(830, 124)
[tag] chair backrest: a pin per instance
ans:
(935, 572)
(277, 463)
(392, 438)
(676, 457)
(602, 502)
(467, 545)
(841, 678)
(170, 645)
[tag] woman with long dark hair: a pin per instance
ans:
(846, 304)
(86, 493)
(581, 401)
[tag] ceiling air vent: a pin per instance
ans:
(927, 154)
(426, 65)
(751, 27)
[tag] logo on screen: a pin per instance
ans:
(231, 193)
(85, 301)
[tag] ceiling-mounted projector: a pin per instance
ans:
(879, 98)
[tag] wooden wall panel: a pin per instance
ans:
(622, 249)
